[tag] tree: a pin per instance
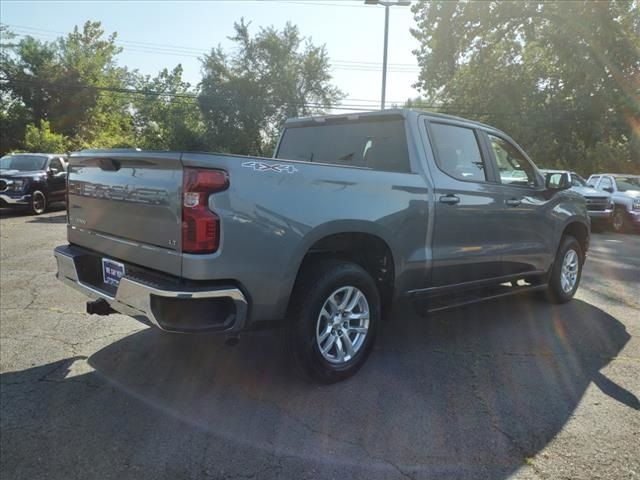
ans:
(561, 77)
(246, 96)
(14, 116)
(43, 140)
(76, 85)
(73, 83)
(167, 117)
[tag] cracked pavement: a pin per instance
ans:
(505, 389)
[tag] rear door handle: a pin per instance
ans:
(513, 202)
(449, 199)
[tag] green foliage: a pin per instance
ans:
(170, 120)
(75, 85)
(43, 139)
(64, 81)
(246, 96)
(14, 118)
(560, 77)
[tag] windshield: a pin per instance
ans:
(577, 180)
(24, 163)
(627, 183)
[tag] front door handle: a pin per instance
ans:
(513, 202)
(449, 199)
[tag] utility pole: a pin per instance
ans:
(399, 3)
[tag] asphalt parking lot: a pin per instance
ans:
(505, 389)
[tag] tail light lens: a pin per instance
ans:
(200, 226)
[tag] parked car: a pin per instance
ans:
(599, 204)
(32, 180)
(353, 213)
(625, 193)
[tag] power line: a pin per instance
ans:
(337, 65)
(191, 95)
(365, 68)
(148, 47)
(192, 98)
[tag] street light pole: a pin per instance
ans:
(386, 5)
(384, 56)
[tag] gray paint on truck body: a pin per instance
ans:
(271, 217)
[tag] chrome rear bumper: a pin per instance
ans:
(135, 298)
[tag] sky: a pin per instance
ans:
(159, 34)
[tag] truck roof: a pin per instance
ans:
(614, 175)
(392, 112)
(38, 154)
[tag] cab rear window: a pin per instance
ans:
(379, 145)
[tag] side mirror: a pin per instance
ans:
(608, 189)
(53, 171)
(557, 181)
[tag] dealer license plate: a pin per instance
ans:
(112, 271)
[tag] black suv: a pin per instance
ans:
(32, 180)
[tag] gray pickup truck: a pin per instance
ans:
(625, 195)
(353, 213)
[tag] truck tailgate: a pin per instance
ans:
(127, 206)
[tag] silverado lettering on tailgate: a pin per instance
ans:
(124, 193)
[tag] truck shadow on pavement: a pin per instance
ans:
(58, 218)
(54, 208)
(470, 392)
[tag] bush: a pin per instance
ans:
(43, 139)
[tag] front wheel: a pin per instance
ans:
(566, 272)
(38, 203)
(332, 320)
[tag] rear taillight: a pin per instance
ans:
(200, 226)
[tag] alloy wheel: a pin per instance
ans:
(569, 272)
(342, 325)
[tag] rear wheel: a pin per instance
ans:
(38, 202)
(332, 320)
(566, 272)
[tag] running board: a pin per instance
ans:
(447, 301)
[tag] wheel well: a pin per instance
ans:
(367, 250)
(578, 231)
(38, 186)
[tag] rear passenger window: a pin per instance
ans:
(457, 152)
(375, 144)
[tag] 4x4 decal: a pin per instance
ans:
(270, 167)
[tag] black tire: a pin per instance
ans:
(38, 202)
(556, 292)
(619, 222)
(319, 281)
